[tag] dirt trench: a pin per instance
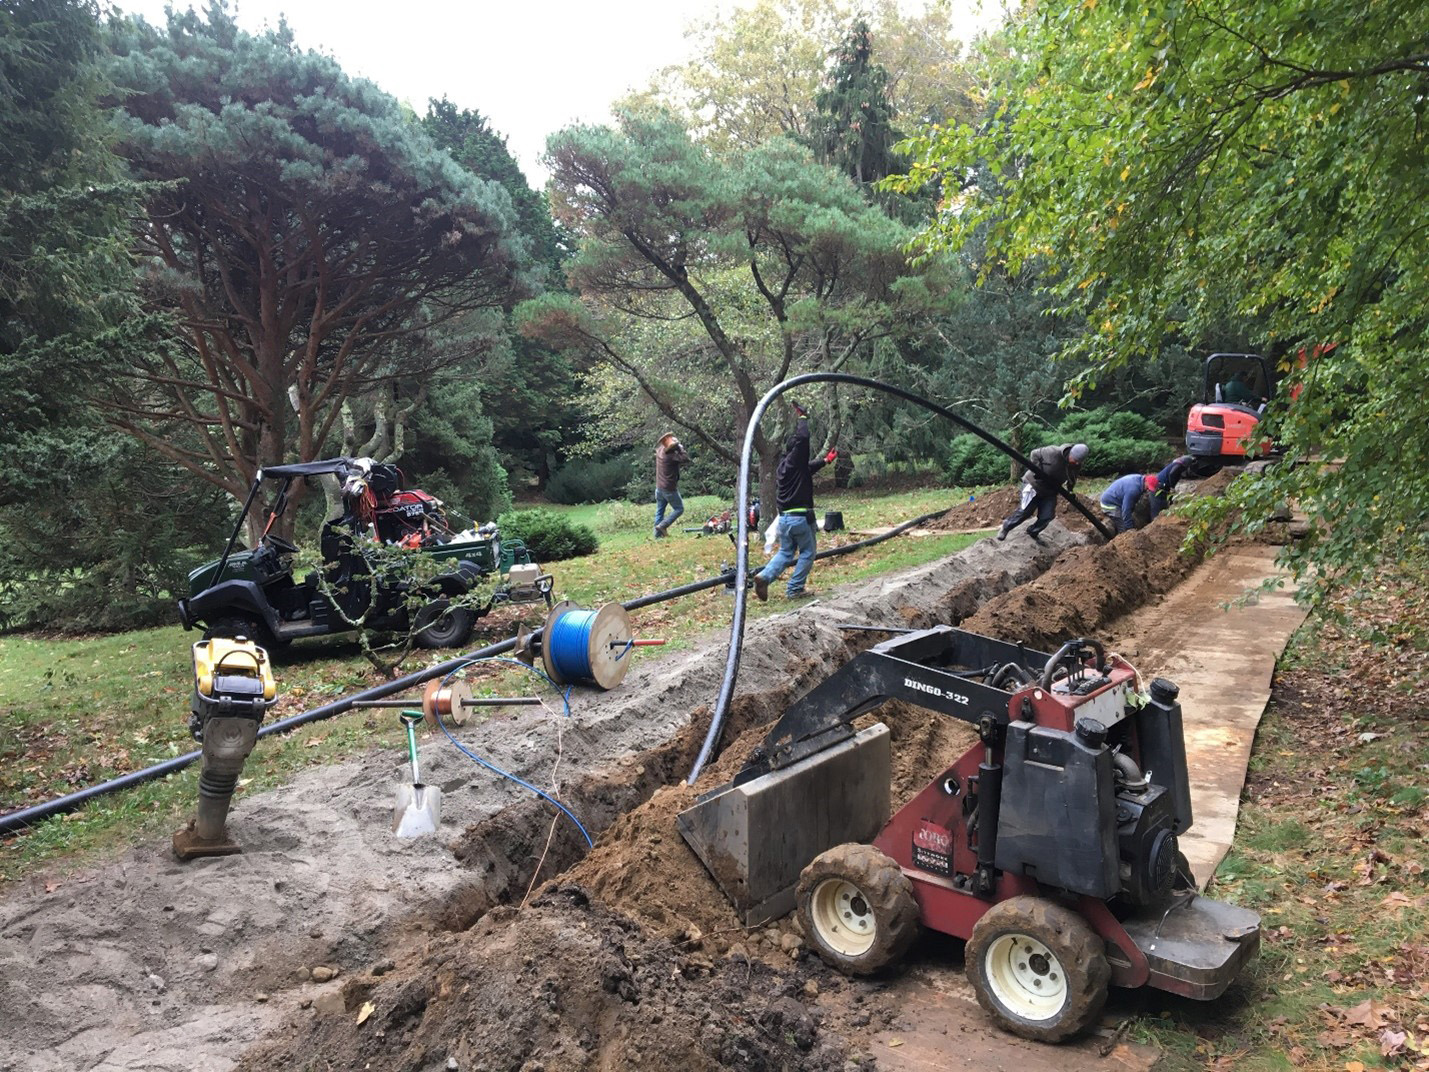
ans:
(140, 962)
(625, 956)
(702, 990)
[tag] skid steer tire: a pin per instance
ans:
(1038, 968)
(857, 909)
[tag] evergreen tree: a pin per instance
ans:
(309, 241)
(530, 389)
(852, 129)
(94, 531)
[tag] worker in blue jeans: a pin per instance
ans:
(670, 455)
(795, 498)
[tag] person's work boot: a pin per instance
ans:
(761, 588)
(659, 532)
(1002, 532)
(1036, 536)
(802, 593)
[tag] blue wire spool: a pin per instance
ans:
(587, 646)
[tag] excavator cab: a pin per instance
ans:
(1221, 428)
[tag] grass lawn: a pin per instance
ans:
(75, 712)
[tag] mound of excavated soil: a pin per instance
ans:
(644, 868)
(987, 510)
(1092, 584)
(1088, 587)
(580, 985)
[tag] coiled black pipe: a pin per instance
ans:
(14, 821)
(741, 572)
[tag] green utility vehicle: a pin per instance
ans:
(365, 575)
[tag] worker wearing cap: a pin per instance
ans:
(1052, 467)
(1166, 480)
(670, 454)
(1124, 495)
(794, 482)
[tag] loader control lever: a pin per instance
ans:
(1072, 655)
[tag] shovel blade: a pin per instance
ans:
(755, 838)
(419, 810)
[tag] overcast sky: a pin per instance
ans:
(531, 68)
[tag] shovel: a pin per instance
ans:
(419, 807)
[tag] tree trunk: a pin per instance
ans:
(843, 470)
(768, 465)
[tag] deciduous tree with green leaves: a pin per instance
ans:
(1179, 168)
(757, 68)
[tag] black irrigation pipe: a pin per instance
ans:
(741, 573)
(14, 821)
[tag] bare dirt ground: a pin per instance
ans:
(503, 944)
(145, 963)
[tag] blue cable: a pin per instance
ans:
(569, 643)
(565, 699)
(507, 774)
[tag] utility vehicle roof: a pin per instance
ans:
(317, 468)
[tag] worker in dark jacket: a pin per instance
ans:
(670, 454)
(795, 499)
(1170, 475)
(1123, 503)
(1053, 466)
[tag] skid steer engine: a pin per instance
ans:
(1050, 844)
(233, 687)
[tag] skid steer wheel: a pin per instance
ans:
(1038, 968)
(857, 909)
(440, 625)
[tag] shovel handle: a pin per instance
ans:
(410, 720)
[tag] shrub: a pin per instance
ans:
(549, 536)
(1120, 442)
(970, 462)
(588, 480)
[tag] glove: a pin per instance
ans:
(831, 455)
(800, 410)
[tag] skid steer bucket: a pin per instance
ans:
(756, 837)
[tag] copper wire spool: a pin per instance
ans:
(445, 699)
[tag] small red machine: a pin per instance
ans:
(1050, 846)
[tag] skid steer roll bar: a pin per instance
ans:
(741, 541)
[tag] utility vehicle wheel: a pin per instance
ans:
(440, 625)
(1038, 968)
(239, 625)
(857, 908)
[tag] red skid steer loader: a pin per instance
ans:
(1050, 845)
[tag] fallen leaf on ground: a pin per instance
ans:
(1369, 1013)
(367, 1010)
(1391, 1042)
